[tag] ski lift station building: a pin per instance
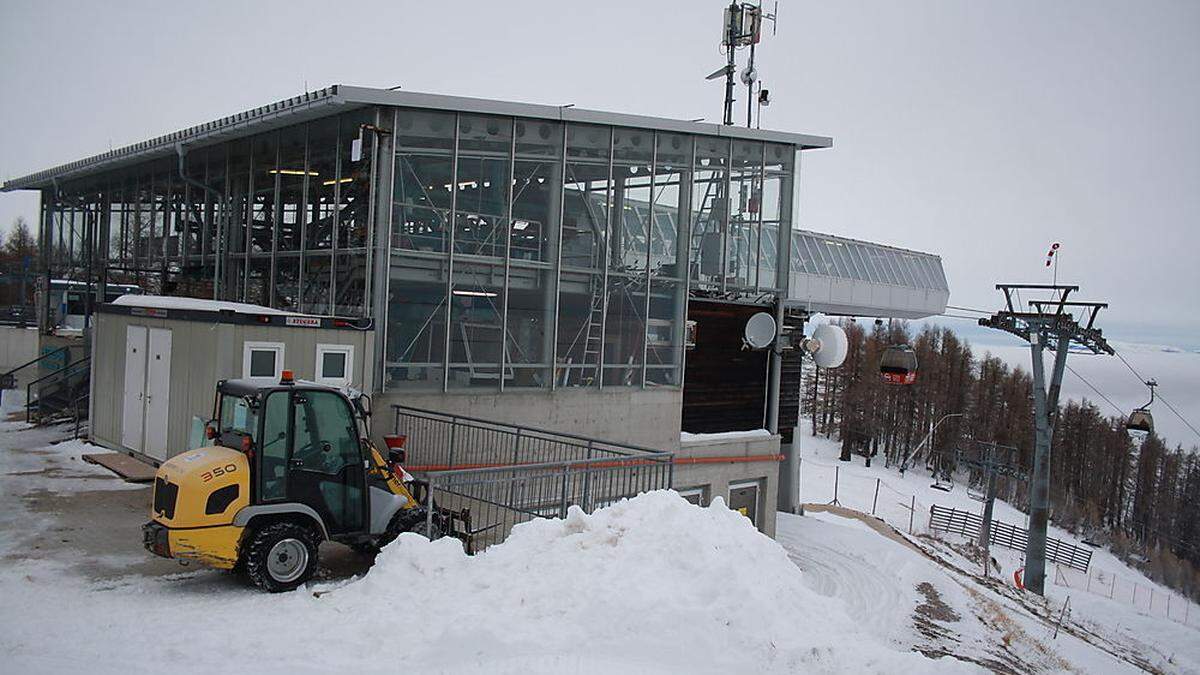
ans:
(560, 268)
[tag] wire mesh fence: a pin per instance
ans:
(1144, 598)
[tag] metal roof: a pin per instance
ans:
(336, 98)
(837, 275)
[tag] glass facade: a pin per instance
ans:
(280, 219)
(505, 252)
(539, 254)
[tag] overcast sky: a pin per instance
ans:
(980, 131)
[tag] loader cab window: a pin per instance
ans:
(326, 467)
(273, 448)
(238, 419)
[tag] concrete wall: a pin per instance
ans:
(18, 346)
(201, 354)
(645, 417)
(716, 477)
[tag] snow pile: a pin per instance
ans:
(650, 582)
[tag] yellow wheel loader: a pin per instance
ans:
(290, 465)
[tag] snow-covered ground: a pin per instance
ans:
(652, 584)
(1139, 627)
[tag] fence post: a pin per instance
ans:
(1089, 583)
(1112, 588)
(1151, 608)
(453, 431)
(911, 511)
(836, 473)
(1168, 605)
(875, 501)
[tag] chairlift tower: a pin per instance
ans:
(992, 460)
(1047, 324)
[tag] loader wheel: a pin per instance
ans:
(281, 556)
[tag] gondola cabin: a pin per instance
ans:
(898, 365)
(1140, 420)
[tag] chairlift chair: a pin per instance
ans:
(898, 365)
(942, 475)
(1140, 419)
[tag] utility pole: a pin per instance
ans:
(1047, 324)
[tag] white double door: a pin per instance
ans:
(147, 390)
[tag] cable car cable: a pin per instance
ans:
(1098, 392)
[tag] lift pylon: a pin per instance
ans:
(1052, 324)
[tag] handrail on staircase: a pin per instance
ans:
(9, 376)
(61, 372)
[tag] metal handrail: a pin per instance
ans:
(655, 457)
(11, 373)
(61, 372)
(516, 428)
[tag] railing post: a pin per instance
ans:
(429, 506)
(587, 482)
(563, 506)
(453, 432)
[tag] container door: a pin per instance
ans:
(133, 409)
(158, 390)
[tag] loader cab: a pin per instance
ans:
(304, 446)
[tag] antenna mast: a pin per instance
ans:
(742, 28)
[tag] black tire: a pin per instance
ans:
(409, 520)
(281, 556)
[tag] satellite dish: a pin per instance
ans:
(828, 346)
(760, 331)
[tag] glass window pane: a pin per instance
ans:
(664, 346)
(424, 174)
(482, 185)
(476, 326)
(333, 365)
(537, 189)
(624, 330)
(287, 283)
(710, 192)
(262, 362)
(294, 172)
(350, 284)
(633, 152)
(587, 195)
(416, 324)
(746, 191)
(273, 447)
(316, 283)
(321, 212)
(672, 169)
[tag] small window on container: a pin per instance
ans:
(262, 361)
(335, 363)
